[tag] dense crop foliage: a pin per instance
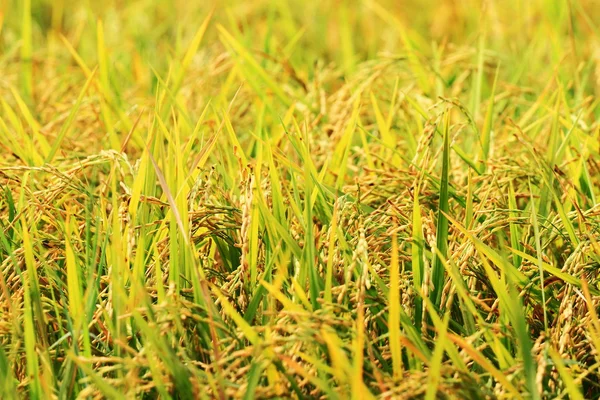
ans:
(307, 199)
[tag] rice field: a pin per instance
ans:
(334, 199)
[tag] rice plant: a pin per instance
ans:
(345, 199)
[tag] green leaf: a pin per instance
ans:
(437, 274)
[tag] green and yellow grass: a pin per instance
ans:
(348, 199)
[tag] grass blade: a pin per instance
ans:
(437, 274)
